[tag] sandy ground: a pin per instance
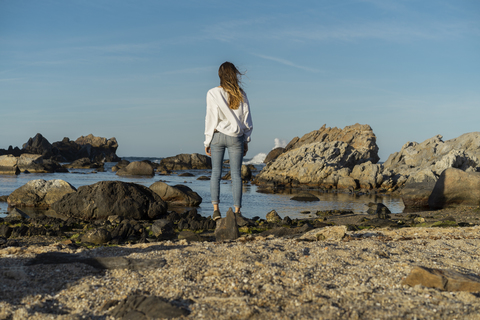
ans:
(255, 277)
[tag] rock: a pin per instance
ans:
(334, 233)
(8, 165)
(227, 228)
(178, 195)
(83, 163)
(434, 155)
(97, 236)
(140, 307)
(187, 162)
(39, 145)
(108, 198)
(379, 209)
(359, 137)
(16, 214)
(245, 173)
(445, 280)
(310, 164)
(418, 188)
(272, 155)
(137, 168)
(40, 193)
(305, 196)
(35, 163)
(455, 188)
(204, 178)
(273, 216)
(368, 175)
(97, 149)
(120, 165)
(186, 174)
(5, 231)
(162, 227)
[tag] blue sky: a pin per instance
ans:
(139, 70)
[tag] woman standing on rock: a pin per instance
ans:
(228, 124)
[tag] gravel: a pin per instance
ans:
(252, 278)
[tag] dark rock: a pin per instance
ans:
(83, 163)
(5, 231)
(246, 174)
(227, 228)
(39, 145)
(178, 195)
(186, 174)
(273, 216)
(97, 236)
(287, 220)
(137, 168)
(162, 227)
(305, 196)
(182, 224)
(187, 162)
(173, 217)
(16, 214)
(108, 198)
(3, 198)
(272, 155)
(137, 307)
(379, 209)
(19, 231)
(120, 165)
(204, 178)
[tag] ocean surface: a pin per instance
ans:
(253, 204)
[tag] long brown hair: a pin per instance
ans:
(230, 82)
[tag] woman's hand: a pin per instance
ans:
(245, 148)
(208, 151)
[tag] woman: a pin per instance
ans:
(228, 124)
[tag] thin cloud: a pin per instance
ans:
(287, 63)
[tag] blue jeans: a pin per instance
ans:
(234, 145)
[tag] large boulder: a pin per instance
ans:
(454, 188)
(418, 188)
(358, 136)
(8, 164)
(40, 193)
(178, 195)
(186, 162)
(110, 198)
(137, 168)
(310, 164)
(434, 155)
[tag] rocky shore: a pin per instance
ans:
(347, 275)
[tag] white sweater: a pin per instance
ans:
(225, 120)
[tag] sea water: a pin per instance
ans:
(254, 203)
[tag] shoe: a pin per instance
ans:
(216, 215)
